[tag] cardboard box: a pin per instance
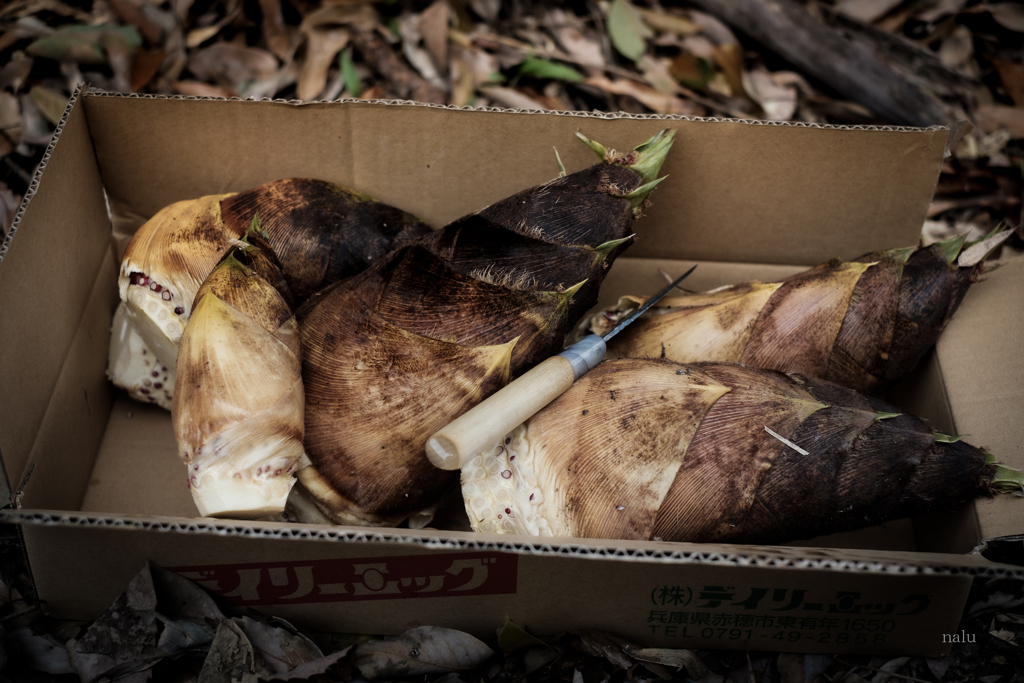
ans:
(95, 480)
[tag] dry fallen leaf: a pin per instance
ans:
(310, 670)
(511, 98)
(777, 101)
(512, 638)
(584, 48)
(200, 89)
(279, 644)
(322, 47)
(9, 203)
(42, 651)
(890, 667)
(668, 23)
(231, 657)
(657, 74)
(133, 634)
(8, 38)
(145, 66)
(659, 102)
(867, 11)
(15, 73)
(940, 9)
(418, 57)
(690, 70)
(50, 102)
(361, 16)
(10, 119)
(463, 82)
(198, 36)
(957, 51)
(275, 33)
(1009, 14)
(142, 16)
(231, 65)
(974, 254)
(423, 650)
(729, 57)
(992, 117)
(35, 129)
(1012, 76)
(674, 657)
(604, 645)
(433, 25)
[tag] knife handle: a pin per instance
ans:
(479, 428)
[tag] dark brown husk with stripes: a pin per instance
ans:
(863, 324)
(651, 449)
(322, 232)
(393, 354)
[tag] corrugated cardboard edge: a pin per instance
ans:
(6, 494)
(757, 557)
(38, 174)
(95, 92)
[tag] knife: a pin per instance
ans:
(480, 427)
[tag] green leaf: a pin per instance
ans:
(83, 43)
(543, 68)
(353, 84)
(626, 29)
(513, 638)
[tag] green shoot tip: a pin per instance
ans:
(604, 249)
(1006, 479)
(640, 194)
(651, 154)
(951, 247)
(901, 254)
(256, 228)
(558, 159)
(946, 438)
(569, 293)
(598, 148)
(886, 416)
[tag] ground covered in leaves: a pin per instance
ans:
(961, 59)
(951, 60)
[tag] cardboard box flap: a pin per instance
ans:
(737, 190)
(979, 355)
(385, 583)
(63, 228)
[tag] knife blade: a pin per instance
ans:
(480, 427)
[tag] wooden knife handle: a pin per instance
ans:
(479, 428)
